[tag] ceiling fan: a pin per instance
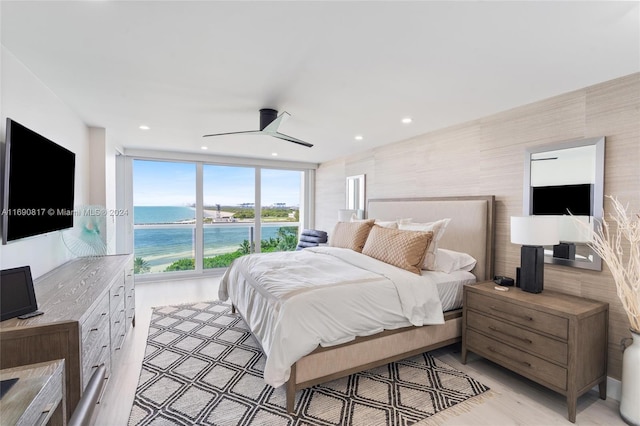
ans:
(269, 123)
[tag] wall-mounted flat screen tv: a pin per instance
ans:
(562, 199)
(39, 184)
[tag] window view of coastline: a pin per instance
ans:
(164, 196)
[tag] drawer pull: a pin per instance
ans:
(116, 295)
(94, 329)
(522, 339)
(527, 318)
(103, 314)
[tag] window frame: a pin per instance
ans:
(124, 199)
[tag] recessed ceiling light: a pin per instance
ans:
(407, 120)
(359, 137)
(275, 154)
(204, 147)
(144, 127)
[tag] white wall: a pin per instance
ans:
(27, 100)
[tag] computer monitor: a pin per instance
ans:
(17, 296)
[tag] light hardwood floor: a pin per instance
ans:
(512, 400)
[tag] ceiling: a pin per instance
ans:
(341, 69)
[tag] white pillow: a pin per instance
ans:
(391, 224)
(449, 261)
(385, 224)
(438, 227)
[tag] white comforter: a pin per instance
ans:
(295, 301)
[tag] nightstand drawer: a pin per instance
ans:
(521, 362)
(529, 341)
(530, 318)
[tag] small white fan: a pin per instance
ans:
(88, 235)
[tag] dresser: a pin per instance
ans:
(89, 306)
(554, 339)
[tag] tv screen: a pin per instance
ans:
(39, 182)
(17, 296)
(562, 199)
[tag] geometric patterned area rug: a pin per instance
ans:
(202, 366)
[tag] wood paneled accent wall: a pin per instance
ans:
(486, 157)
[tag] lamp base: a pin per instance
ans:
(531, 268)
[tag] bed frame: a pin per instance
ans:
(471, 230)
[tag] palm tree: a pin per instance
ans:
(140, 266)
(245, 247)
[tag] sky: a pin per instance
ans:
(161, 183)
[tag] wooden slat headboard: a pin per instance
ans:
(471, 229)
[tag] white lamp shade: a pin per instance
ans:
(534, 230)
(344, 215)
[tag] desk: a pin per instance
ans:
(37, 397)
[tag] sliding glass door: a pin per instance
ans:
(280, 213)
(164, 196)
(228, 213)
(193, 216)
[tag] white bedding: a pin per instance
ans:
(450, 287)
(325, 296)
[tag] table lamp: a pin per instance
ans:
(533, 232)
(345, 215)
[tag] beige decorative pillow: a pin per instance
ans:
(351, 235)
(404, 249)
(438, 227)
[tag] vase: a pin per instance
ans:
(630, 393)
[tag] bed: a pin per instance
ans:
(341, 311)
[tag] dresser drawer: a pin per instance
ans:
(519, 361)
(96, 323)
(546, 347)
(118, 328)
(530, 318)
(94, 355)
(117, 295)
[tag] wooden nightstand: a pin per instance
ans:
(554, 339)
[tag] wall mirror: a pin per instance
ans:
(567, 177)
(356, 194)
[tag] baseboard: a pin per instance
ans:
(613, 388)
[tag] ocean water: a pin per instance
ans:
(161, 247)
(162, 214)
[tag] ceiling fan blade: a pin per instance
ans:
(273, 126)
(271, 129)
(248, 132)
(290, 139)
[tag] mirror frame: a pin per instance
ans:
(598, 193)
(355, 200)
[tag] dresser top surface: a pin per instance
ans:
(547, 300)
(68, 292)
